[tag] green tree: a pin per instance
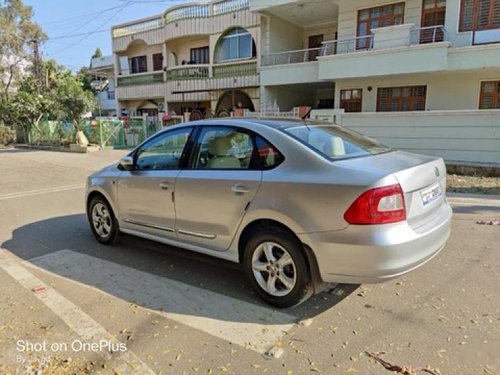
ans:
(16, 40)
(74, 100)
(97, 53)
(84, 76)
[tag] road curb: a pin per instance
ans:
(474, 199)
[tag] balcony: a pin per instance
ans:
(291, 67)
(400, 49)
(140, 86)
(194, 82)
(137, 27)
(205, 10)
(245, 68)
(140, 79)
(187, 72)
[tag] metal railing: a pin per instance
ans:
(420, 35)
(189, 11)
(246, 68)
(140, 79)
(292, 57)
(138, 27)
(429, 34)
(229, 6)
(206, 10)
(186, 72)
(342, 46)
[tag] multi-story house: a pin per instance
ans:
(196, 58)
(103, 81)
(420, 75)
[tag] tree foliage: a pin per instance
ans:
(16, 40)
(63, 96)
(97, 53)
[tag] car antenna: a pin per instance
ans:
(304, 118)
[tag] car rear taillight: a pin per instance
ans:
(380, 205)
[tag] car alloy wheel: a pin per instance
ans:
(274, 269)
(102, 220)
(276, 266)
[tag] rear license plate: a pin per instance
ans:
(431, 194)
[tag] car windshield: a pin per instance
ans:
(335, 142)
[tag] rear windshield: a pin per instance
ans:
(336, 142)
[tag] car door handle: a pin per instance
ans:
(165, 185)
(240, 189)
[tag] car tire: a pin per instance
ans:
(276, 266)
(102, 221)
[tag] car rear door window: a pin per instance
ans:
(224, 148)
(335, 142)
(269, 156)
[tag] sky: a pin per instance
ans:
(77, 27)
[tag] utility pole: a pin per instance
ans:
(37, 66)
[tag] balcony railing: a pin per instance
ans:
(190, 11)
(138, 27)
(292, 57)
(179, 73)
(140, 79)
(246, 68)
(423, 35)
(420, 35)
(229, 6)
(206, 10)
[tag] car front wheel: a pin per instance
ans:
(102, 221)
(276, 267)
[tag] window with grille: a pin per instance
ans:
(479, 15)
(351, 100)
(157, 61)
(138, 64)
(372, 18)
(199, 56)
(401, 99)
(490, 95)
(433, 14)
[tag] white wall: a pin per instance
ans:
(445, 91)
(466, 136)
(284, 35)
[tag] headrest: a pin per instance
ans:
(219, 146)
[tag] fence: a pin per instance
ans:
(107, 132)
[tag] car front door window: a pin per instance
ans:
(163, 152)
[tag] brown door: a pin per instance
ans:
(315, 41)
(433, 14)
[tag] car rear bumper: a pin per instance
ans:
(375, 253)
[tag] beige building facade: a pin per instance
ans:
(379, 65)
(200, 59)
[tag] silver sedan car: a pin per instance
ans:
(298, 204)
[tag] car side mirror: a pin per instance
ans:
(127, 163)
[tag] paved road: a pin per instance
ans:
(69, 303)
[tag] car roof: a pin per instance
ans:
(276, 123)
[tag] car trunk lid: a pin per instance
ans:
(422, 178)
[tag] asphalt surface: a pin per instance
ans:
(72, 305)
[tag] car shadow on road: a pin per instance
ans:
(153, 275)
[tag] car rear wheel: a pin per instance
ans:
(276, 267)
(102, 221)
